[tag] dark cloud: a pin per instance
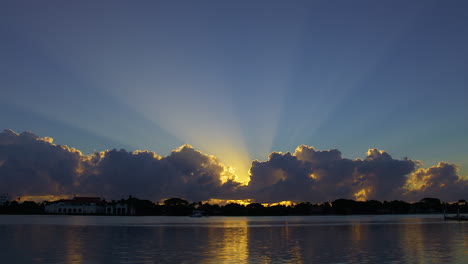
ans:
(281, 177)
(311, 175)
(382, 177)
(441, 181)
(333, 173)
(185, 173)
(30, 165)
(34, 166)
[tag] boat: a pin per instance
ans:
(457, 217)
(197, 213)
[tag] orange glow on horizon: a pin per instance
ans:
(41, 198)
(284, 203)
(246, 202)
(224, 202)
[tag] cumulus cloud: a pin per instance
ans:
(312, 175)
(30, 166)
(34, 166)
(381, 177)
(281, 177)
(185, 173)
(441, 181)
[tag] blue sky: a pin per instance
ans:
(240, 79)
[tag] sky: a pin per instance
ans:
(237, 81)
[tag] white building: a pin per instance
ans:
(89, 205)
(77, 205)
(119, 209)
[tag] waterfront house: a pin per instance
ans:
(89, 205)
(77, 205)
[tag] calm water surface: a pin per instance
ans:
(312, 239)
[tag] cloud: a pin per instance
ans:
(312, 175)
(30, 165)
(185, 173)
(281, 177)
(441, 181)
(34, 166)
(380, 176)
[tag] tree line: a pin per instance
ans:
(181, 207)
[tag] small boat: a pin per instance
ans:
(197, 213)
(457, 217)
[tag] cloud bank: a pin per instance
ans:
(34, 166)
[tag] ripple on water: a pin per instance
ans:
(365, 239)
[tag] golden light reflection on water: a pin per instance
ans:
(357, 233)
(465, 242)
(74, 249)
(412, 242)
(363, 239)
(228, 243)
(432, 241)
(294, 250)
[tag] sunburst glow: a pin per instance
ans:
(238, 82)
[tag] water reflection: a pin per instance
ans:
(235, 240)
(412, 242)
(435, 241)
(74, 248)
(275, 242)
(227, 243)
(294, 250)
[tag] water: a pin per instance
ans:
(311, 239)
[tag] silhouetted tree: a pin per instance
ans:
(233, 209)
(175, 202)
(278, 210)
(177, 206)
(344, 206)
(181, 207)
(255, 209)
(326, 208)
(304, 208)
(396, 207)
(210, 209)
(428, 205)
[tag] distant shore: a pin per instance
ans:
(181, 207)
